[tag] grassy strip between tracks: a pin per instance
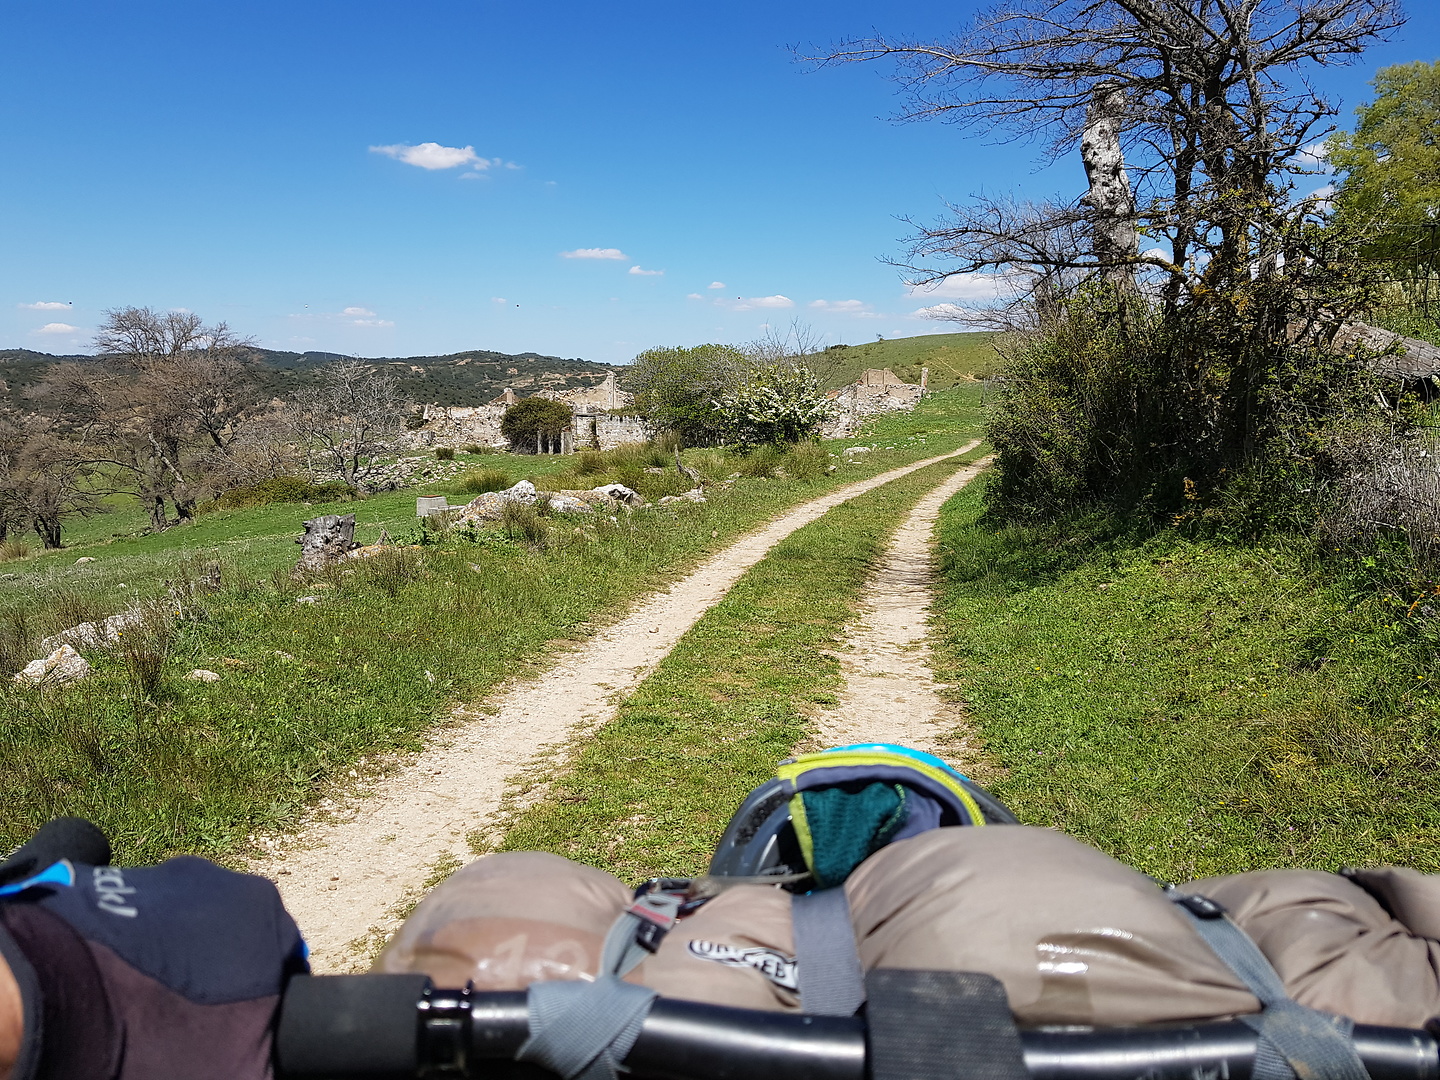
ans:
(651, 792)
(312, 695)
(1193, 708)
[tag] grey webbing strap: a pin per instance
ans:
(584, 1029)
(648, 919)
(827, 963)
(1295, 1040)
(940, 1025)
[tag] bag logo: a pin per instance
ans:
(775, 966)
(111, 892)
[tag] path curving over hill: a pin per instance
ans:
(890, 691)
(344, 880)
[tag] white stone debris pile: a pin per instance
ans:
(61, 666)
(93, 635)
(695, 495)
(491, 505)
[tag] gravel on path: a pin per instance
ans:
(890, 691)
(347, 879)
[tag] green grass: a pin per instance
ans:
(1192, 708)
(309, 692)
(951, 358)
(651, 792)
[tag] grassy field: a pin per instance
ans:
(652, 791)
(309, 692)
(951, 358)
(1194, 708)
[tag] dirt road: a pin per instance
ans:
(344, 880)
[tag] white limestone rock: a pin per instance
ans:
(62, 666)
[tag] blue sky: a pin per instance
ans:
(249, 162)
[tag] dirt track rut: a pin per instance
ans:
(890, 691)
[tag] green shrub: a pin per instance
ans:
(445, 453)
(13, 549)
(760, 463)
(278, 489)
(476, 448)
(590, 463)
(479, 481)
(526, 523)
(807, 461)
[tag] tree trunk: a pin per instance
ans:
(48, 529)
(1113, 205)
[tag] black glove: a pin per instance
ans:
(171, 971)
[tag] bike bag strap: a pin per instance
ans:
(638, 931)
(940, 1025)
(1295, 1041)
(584, 1029)
(827, 962)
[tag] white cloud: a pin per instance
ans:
(498, 300)
(639, 272)
(430, 155)
(596, 253)
(694, 296)
(748, 303)
(57, 328)
(357, 311)
(848, 307)
(372, 322)
(716, 285)
(44, 305)
(1312, 156)
(961, 287)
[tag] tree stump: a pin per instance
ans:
(327, 539)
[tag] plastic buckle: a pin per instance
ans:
(1202, 907)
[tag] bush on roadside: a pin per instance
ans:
(13, 548)
(807, 461)
(479, 481)
(277, 489)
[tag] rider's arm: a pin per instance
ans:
(12, 1019)
(174, 970)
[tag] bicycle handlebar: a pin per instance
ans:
(353, 1026)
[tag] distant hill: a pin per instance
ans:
(951, 358)
(463, 378)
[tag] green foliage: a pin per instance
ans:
(532, 415)
(777, 403)
(1391, 166)
(1172, 413)
(277, 489)
(676, 389)
(479, 481)
(445, 453)
(1193, 708)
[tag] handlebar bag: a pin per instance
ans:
(1362, 945)
(505, 921)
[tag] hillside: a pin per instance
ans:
(463, 378)
(951, 358)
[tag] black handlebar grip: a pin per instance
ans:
(70, 838)
(349, 1025)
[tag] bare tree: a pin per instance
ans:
(164, 394)
(1189, 115)
(353, 417)
(44, 478)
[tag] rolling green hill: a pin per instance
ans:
(951, 358)
(463, 378)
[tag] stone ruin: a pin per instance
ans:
(594, 424)
(877, 390)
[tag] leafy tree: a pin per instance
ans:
(1390, 188)
(778, 403)
(1192, 119)
(676, 389)
(534, 422)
